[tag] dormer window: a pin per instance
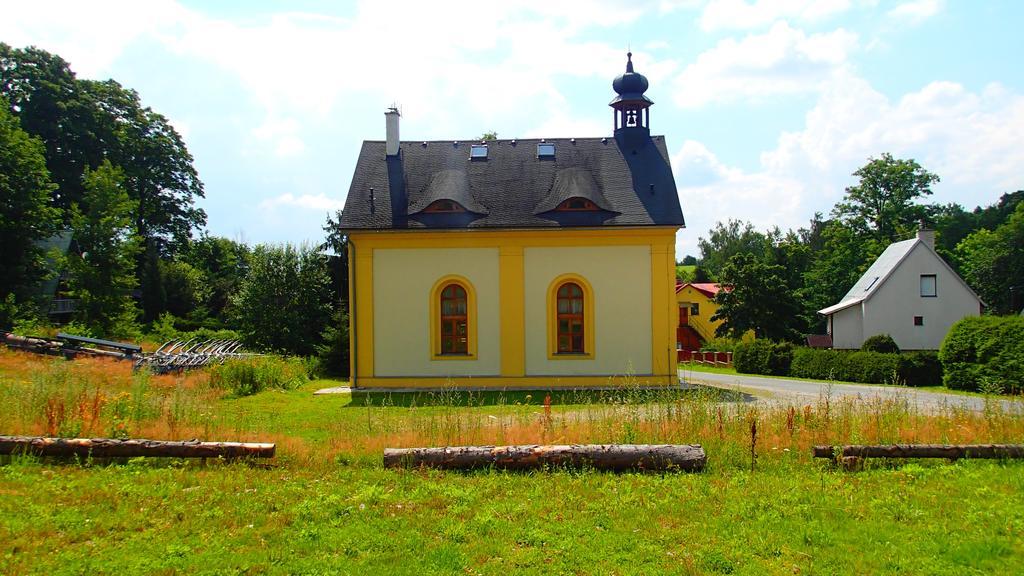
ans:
(478, 152)
(444, 207)
(577, 205)
(545, 150)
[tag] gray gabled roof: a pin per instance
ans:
(630, 180)
(880, 271)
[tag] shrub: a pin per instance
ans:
(984, 349)
(762, 357)
(779, 359)
(247, 376)
(880, 343)
(719, 345)
(920, 368)
(873, 367)
(815, 363)
(751, 357)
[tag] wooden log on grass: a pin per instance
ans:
(112, 448)
(950, 451)
(616, 457)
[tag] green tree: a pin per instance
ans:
(284, 304)
(726, 240)
(101, 273)
(223, 263)
(992, 262)
(488, 136)
(882, 204)
(186, 287)
(83, 122)
(755, 297)
(835, 268)
(26, 215)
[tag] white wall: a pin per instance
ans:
(848, 328)
(891, 309)
(402, 280)
(621, 280)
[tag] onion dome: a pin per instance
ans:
(630, 86)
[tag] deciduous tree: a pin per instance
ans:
(882, 205)
(26, 215)
(101, 272)
(755, 297)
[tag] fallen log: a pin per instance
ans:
(616, 457)
(950, 451)
(112, 448)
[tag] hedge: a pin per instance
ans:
(984, 352)
(762, 357)
(911, 369)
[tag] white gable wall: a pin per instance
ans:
(892, 307)
(848, 328)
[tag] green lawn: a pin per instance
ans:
(327, 506)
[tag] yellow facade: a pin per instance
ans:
(706, 307)
(511, 275)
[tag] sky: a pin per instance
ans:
(767, 106)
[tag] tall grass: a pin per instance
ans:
(104, 398)
(248, 376)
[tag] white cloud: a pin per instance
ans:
(280, 135)
(739, 14)
(973, 141)
(305, 201)
(782, 60)
(916, 11)
(92, 36)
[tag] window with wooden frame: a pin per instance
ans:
(570, 319)
(444, 207)
(453, 319)
(577, 204)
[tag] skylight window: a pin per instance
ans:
(478, 151)
(545, 150)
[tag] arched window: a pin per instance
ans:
(454, 320)
(570, 319)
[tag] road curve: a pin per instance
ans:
(805, 391)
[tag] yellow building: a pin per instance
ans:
(696, 305)
(536, 263)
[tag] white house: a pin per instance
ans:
(909, 292)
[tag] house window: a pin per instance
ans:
(928, 286)
(453, 319)
(577, 205)
(695, 309)
(918, 320)
(545, 150)
(444, 207)
(570, 318)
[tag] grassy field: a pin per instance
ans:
(325, 505)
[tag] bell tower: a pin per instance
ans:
(632, 114)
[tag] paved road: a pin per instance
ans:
(779, 389)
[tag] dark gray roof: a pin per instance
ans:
(630, 179)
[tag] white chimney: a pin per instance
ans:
(927, 236)
(392, 116)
